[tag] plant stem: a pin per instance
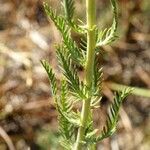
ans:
(91, 41)
(136, 90)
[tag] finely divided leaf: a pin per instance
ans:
(113, 115)
(97, 78)
(112, 119)
(69, 12)
(62, 26)
(109, 35)
(65, 127)
(75, 85)
(51, 76)
(69, 9)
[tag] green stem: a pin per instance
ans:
(136, 90)
(91, 41)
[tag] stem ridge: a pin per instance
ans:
(89, 68)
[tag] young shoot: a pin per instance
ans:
(76, 127)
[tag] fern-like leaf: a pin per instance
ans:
(77, 28)
(97, 81)
(109, 35)
(51, 76)
(69, 9)
(64, 29)
(67, 145)
(112, 120)
(73, 118)
(76, 87)
(69, 12)
(113, 115)
(65, 127)
(97, 84)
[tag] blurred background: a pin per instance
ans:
(28, 119)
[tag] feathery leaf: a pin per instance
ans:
(65, 127)
(112, 119)
(51, 76)
(113, 115)
(64, 29)
(97, 78)
(109, 35)
(97, 85)
(75, 85)
(69, 12)
(69, 9)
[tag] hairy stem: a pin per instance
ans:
(91, 41)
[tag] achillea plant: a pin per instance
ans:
(76, 127)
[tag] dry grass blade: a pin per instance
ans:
(5, 136)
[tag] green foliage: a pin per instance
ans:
(64, 29)
(96, 87)
(69, 71)
(65, 106)
(51, 76)
(69, 13)
(69, 9)
(109, 35)
(73, 89)
(112, 119)
(97, 79)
